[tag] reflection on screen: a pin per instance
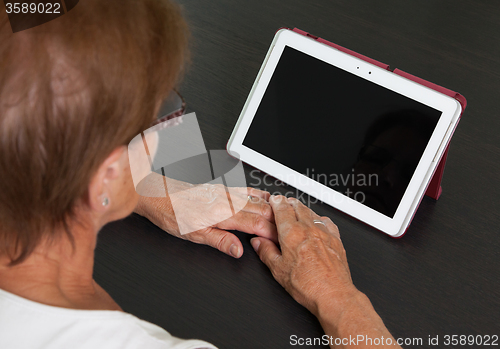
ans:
(345, 132)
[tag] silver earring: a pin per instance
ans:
(105, 201)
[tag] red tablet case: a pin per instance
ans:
(434, 186)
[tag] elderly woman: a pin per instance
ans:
(73, 93)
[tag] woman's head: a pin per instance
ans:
(72, 92)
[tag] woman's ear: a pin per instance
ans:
(102, 184)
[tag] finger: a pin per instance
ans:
(224, 241)
(339, 246)
(284, 214)
(254, 204)
(332, 227)
(302, 212)
(253, 192)
(265, 195)
(250, 223)
(268, 253)
(260, 207)
(308, 216)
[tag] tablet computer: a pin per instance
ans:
(344, 129)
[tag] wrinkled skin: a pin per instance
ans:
(312, 264)
(202, 213)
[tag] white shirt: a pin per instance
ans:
(25, 324)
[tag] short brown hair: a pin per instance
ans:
(71, 91)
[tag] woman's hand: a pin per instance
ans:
(312, 265)
(203, 213)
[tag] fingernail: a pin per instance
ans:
(276, 198)
(255, 244)
(234, 250)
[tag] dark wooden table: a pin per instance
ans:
(441, 278)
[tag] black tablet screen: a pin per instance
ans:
(341, 130)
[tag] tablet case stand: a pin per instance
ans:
(434, 187)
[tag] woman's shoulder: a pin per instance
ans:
(54, 327)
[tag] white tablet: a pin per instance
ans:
(347, 132)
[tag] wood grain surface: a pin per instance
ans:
(441, 278)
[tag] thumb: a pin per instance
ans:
(224, 241)
(268, 252)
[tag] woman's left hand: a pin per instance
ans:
(203, 214)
